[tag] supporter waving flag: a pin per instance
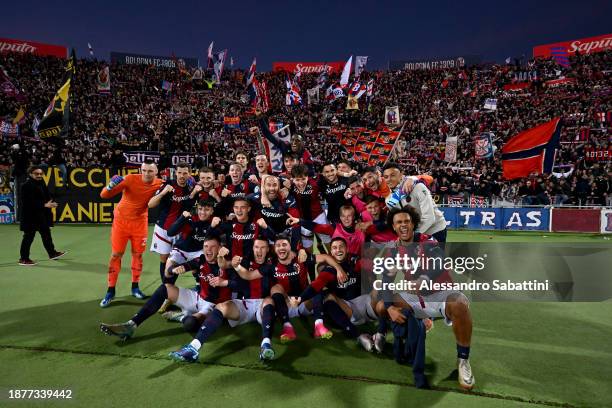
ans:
(293, 91)
(531, 151)
(219, 63)
(56, 120)
(251, 75)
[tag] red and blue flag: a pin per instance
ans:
(531, 151)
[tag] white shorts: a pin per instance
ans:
(179, 257)
(250, 311)
(161, 242)
(362, 309)
(430, 306)
(190, 302)
(301, 310)
(307, 234)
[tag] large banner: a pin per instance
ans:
(516, 219)
(367, 146)
(139, 59)
(436, 63)
(309, 67)
(82, 201)
(569, 48)
(606, 221)
(31, 47)
(137, 157)
(7, 209)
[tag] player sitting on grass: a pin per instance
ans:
(291, 275)
(255, 304)
(213, 282)
(453, 306)
(344, 304)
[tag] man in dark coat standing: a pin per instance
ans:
(36, 215)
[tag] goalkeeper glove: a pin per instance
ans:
(395, 199)
(113, 182)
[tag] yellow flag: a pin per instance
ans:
(19, 116)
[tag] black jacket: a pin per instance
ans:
(34, 214)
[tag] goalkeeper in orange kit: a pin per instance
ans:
(130, 223)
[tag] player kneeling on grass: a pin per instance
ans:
(450, 305)
(343, 304)
(214, 288)
(257, 279)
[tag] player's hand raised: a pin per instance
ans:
(348, 194)
(186, 214)
(215, 221)
(179, 270)
(292, 220)
(225, 192)
(236, 261)
(113, 182)
(284, 192)
(223, 252)
(262, 223)
(196, 190)
(253, 179)
(168, 189)
(217, 282)
(213, 193)
(302, 255)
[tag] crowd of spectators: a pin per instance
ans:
(140, 115)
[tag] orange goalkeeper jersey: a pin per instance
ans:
(136, 195)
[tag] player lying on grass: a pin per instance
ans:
(452, 306)
(214, 285)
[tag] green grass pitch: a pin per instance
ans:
(523, 354)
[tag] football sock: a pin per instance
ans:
(114, 266)
(267, 322)
(335, 312)
(162, 269)
(190, 324)
(136, 266)
(152, 305)
(212, 323)
(196, 344)
(164, 279)
(280, 304)
(317, 307)
(134, 285)
(382, 325)
(111, 289)
(311, 270)
(463, 352)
